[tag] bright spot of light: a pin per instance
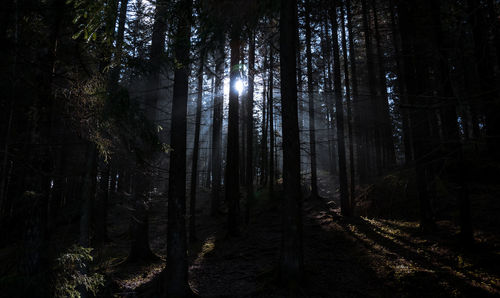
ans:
(238, 85)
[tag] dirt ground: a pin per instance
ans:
(344, 257)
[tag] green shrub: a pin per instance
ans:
(72, 274)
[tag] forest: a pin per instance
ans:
(250, 148)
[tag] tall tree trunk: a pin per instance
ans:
(271, 121)
(36, 189)
(310, 96)
(416, 76)
(139, 220)
(486, 75)
(232, 183)
(401, 88)
(217, 127)
(451, 134)
(101, 214)
(87, 197)
(140, 185)
(326, 49)
(177, 268)
(156, 54)
(349, 112)
(291, 267)
(4, 175)
(374, 116)
(249, 122)
(122, 18)
(388, 152)
(337, 85)
(196, 147)
(357, 107)
(263, 180)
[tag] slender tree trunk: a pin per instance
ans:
(349, 113)
(388, 155)
(326, 49)
(451, 134)
(36, 189)
(291, 268)
(242, 125)
(87, 197)
(486, 75)
(374, 116)
(196, 147)
(263, 180)
(337, 85)
(101, 229)
(177, 269)
(310, 96)
(357, 107)
(122, 18)
(217, 127)
(156, 54)
(401, 88)
(232, 166)
(4, 177)
(139, 183)
(271, 121)
(250, 166)
(415, 71)
(139, 220)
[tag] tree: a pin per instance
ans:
(249, 122)
(196, 148)
(291, 267)
(310, 95)
(347, 83)
(272, 179)
(217, 123)
(339, 109)
(415, 73)
(177, 264)
(232, 182)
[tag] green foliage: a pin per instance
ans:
(71, 268)
(128, 128)
(112, 120)
(91, 16)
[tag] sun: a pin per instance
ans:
(239, 86)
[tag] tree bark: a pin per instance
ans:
(263, 161)
(357, 107)
(101, 231)
(415, 76)
(339, 109)
(291, 267)
(271, 121)
(196, 147)
(177, 262)
(347, 83)
(232, 181)
(115, 71)
(401, 88)
(310, 96)
(217, 127)
(388, 155)
(374, 114)
(139, 220)
(249, 122)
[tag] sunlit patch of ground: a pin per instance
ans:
(358, 257)
(135, 276)
(414, 262)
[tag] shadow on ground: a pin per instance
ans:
(344, 257)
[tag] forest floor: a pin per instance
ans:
(344, 257)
